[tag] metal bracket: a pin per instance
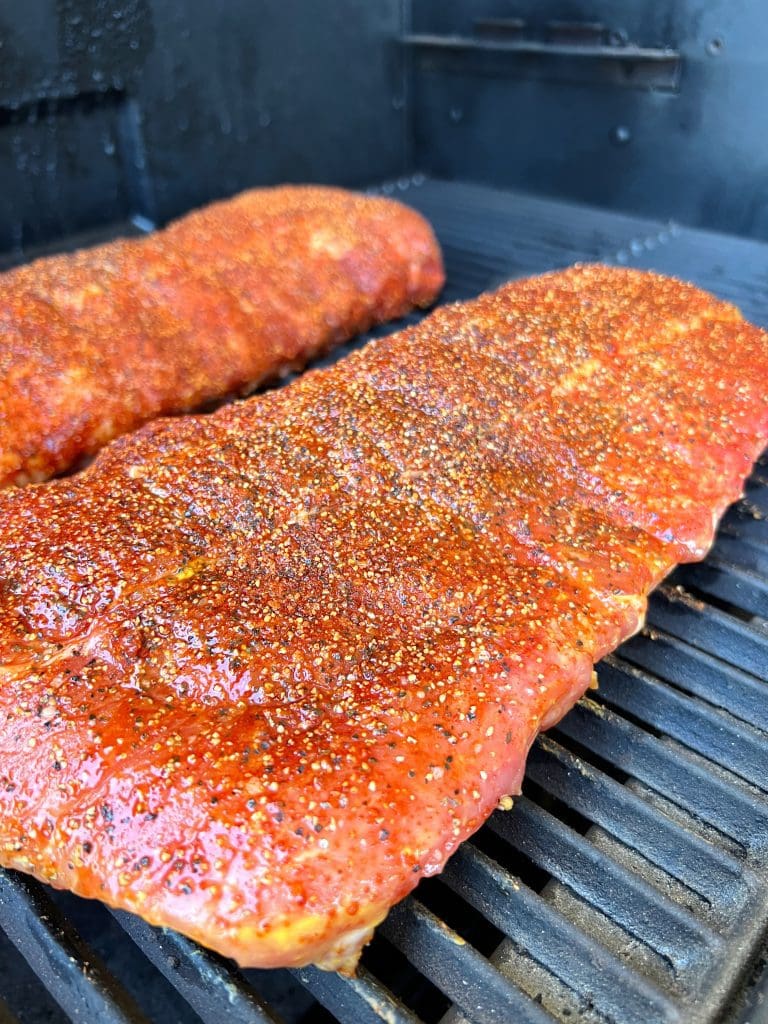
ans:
(570, 51)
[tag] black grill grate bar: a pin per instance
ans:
(741, 644)
(683, 941)
(698, 673)
(717, 802)
(743, 588)
(481, 992)
(204, 979)
(71, 972)
(534, 926)
(704, 869)
(719, 738)
(358, 1000)
(748, 554)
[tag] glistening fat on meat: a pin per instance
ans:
(263, 670)
(96, 343)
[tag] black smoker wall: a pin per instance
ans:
(113, 108)
(536, 103)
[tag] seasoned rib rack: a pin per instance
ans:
(242, 291)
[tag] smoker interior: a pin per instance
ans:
(630, 881)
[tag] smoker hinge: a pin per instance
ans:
(567, 50)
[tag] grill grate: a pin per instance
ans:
(630, 883)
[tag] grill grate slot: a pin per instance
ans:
(756, 492)
(748, 523)
(644, 831)
(663, 768)
(714, 875)
(205, 980)
(740, 587)
(668, 930)
(482, 994)
(741, 644)
(358, 1000)
(580, 962)
(709, 732)
(742, 551)
(698, 673)
(70, 971)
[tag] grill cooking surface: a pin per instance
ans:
(630, 882)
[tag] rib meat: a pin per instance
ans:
(98, 342)
(263, 670)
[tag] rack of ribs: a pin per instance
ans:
(98, 342)
(263, 670)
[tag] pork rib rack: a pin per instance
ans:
(263, 670)
(98, 342)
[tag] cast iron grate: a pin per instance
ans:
(630, 883)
